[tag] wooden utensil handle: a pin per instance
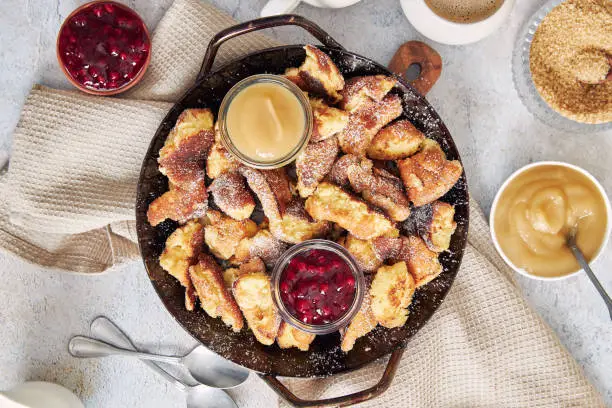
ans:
(421, 54)
(344, 401)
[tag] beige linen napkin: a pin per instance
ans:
(67, 202)
(71, 184)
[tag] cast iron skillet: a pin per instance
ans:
(324, 357)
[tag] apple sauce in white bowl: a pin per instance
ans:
(533, 212)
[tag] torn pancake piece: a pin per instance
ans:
(214, 297)
(327, 121)
(296, 225)
(182, 249)
(422, 263)
(366, 121)
(434, 223)
(339, 172)
(182, 159)
(232, 196)
(253, 294)
(179, 204)
(220, 161)
(428, 175)
(391, 292)
(272, 189)
(380, 188)
(363, 323)
(396, 141)
(364, 253)
(262, 245)
(318, 75)
(331, 203)
(362, 89)
(223, 234)
(289, 336)
(314, 163)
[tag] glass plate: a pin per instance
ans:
(524, 84)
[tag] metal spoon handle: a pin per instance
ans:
(585, 266)
(106, 330)
(80, 346)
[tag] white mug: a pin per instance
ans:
(39, 394)
(443, 31)
(274, 7)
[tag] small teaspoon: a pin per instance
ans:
(571, 243)
(198, 396)
(205, 366)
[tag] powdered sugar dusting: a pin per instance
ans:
(325, 355)
(267, 247)
(259, 185)
(314, 164)
(231, 195)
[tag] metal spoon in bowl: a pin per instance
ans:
(198, 396)
(205, 366)
(571, 243)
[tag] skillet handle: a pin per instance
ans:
(260, 24)
(344, 401)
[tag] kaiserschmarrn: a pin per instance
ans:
(331, 203)
(367, 179)
(428, 175)
(182, 249)
(182, 160)
(391, 293)
(254, 297)
(214, 297)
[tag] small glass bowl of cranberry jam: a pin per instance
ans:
(317, 286)
(104, 48)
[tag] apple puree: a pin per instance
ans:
(265, 121)
(535, 212)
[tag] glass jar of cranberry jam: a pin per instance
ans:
(103, 47)
(317, 286)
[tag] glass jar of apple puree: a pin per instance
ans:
(265, 121)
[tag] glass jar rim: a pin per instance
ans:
(265, 78)
(346, 256)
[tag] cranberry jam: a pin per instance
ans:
(317, 287)
(103, 46)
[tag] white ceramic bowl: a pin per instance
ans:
(444, 31)
(39, 394)
(550, 163)
(331, 3)
(275, 7)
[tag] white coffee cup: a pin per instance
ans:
(274, 7)
(444, 31)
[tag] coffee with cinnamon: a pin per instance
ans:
(464, 11)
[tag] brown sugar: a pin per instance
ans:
(570, 60)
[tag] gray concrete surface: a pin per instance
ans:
(41, 309)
